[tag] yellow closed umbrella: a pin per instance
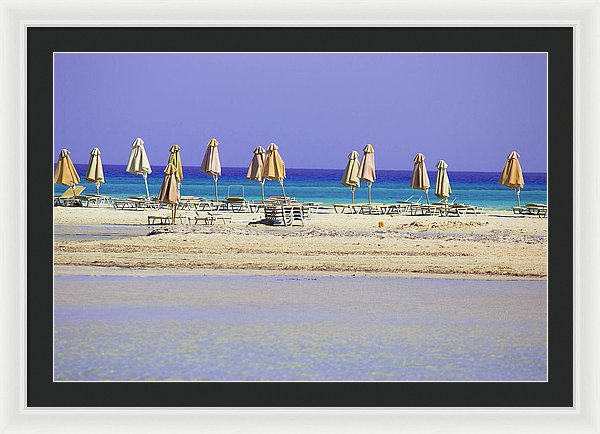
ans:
(366, 171)
(512, 175)
(420, 179)
(274, 167)
(350, 177)
(175, 160)
(65, 173)
(95, 172)
(255, 170)
(169, 193)
(442, 182)
(211, 165)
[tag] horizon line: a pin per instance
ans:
(337, 168)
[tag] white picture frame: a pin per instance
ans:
(583, 15)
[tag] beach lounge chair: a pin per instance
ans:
(372, 208)
(166, 219)
(426, 209)
(536, 209)
(341, 207)
(237, 204)
(69, 193)
(135, 204)
(210, 218)
(97, 199)
(287, 214)
(462, 209)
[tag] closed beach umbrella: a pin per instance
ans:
(350, 177)
(211, 165)
(138, 163)
(65, 173)
(366, 171)
(420, 179)
(169, 193)
(274, 167)
(442, 183)
(255, 170)
(175, 160)
(95, 173)
(512, 175)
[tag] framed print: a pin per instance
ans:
(321, 223)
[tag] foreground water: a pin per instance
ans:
(323, 185)
(287, 328)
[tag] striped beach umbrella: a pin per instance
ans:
(211, 165)
(350, 177)
(512, 175)
(255, 170)
(420, 179)
(95, 172)
(138, 163)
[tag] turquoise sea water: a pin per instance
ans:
(323, 185)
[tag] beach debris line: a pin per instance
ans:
(138, 163)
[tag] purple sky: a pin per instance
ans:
(468, 109)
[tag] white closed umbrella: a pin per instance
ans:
(442, 182)
(95, 172)
(211, 164)
(138, 163)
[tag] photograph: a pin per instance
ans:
(300, 216)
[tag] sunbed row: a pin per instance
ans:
(536, 209)
(409, 208)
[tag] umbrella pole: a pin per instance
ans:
(518, 190)
(262, 189)
(145, 175)
(216, 177)
(352, 189)
(282, 190)
(98, 188)
(369, 189)
(73, 188)
(173, 210)
(427, 195)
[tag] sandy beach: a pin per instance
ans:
(495, 245)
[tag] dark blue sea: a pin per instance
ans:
(323, 185)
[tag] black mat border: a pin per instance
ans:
(43, 41)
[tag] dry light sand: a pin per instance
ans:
(496, 245)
